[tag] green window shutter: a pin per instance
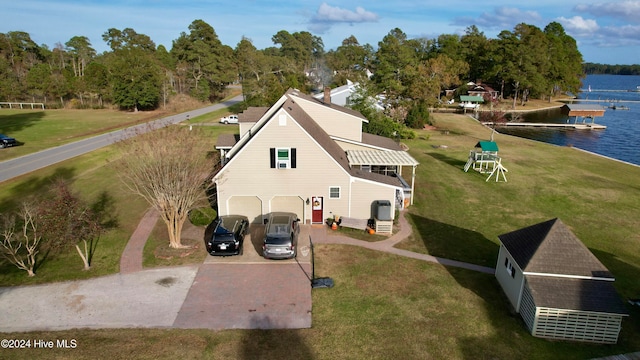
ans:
(293, 158)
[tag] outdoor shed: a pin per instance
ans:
(561, 290)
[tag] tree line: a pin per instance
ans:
(592, 68)
(135, 74)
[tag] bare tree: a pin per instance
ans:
(69, 221)
(21, 249)
(170, 169)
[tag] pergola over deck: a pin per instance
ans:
(369, 160)
(583, 110)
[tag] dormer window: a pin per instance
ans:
(283, 158)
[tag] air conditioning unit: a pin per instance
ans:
(382, 210)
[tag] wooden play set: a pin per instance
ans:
(484, 159)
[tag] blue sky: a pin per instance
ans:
(606, 31)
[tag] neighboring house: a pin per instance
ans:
(482, 90)
(341, 95)
(561, 290)
(309, 157)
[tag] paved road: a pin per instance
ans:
(28, 163)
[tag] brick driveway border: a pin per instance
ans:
(250, 292)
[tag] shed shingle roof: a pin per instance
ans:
(551, 248)
(575, 294)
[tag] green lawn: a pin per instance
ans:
(93, 176)
(384, 306)
(43, 129)
(458, 215)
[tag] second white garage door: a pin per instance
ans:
(293, 204)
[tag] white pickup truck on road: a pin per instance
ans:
(231, 119)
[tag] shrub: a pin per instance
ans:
(202, 216)
(418, 115)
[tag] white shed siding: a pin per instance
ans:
(249, 171)
(577, 325)
(512, 286)
(335, 123)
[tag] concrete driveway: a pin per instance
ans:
(239, 292)
(149, 298)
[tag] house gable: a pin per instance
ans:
(333, 119)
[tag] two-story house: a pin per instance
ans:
(310, 157)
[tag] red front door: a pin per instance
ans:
(316, 209)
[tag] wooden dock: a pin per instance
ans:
(579, 126)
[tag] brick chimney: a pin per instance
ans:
(327, 95)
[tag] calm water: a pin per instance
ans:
(621, 138)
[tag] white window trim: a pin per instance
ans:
(510, 269)
(339, 192)
(286, 163)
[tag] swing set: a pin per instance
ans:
(484, 159)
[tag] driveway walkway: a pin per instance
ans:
(320, 236)
(239, 292)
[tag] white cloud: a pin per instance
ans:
(579, 26)
(327, 16)
(502, 18)
(627, 10)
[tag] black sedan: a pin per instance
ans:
(6, 141)
(225, 235)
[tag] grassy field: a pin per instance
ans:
(384, 306)
(42, 129)
(93, 176)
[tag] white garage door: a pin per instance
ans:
(293, 204)
(249, 206)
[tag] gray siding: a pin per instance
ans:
(510, 285)
(528, 308)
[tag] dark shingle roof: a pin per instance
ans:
(551, 248)
(252, 114)
(227, 140)
(334, 150)
(380, 141)
(575, 294)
